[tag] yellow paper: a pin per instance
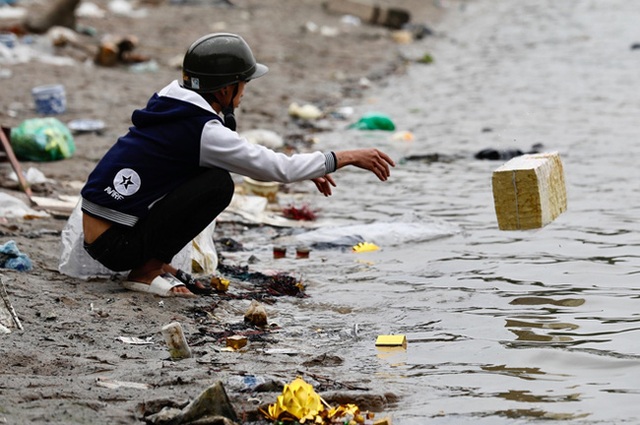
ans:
(391, 341)
(365, 247)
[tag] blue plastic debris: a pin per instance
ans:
(12, 258)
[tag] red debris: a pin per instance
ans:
(304, 213)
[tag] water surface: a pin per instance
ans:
(503, 327)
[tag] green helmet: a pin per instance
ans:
(219, 60)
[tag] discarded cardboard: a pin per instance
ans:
(529, 191)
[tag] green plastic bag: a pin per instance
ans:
(374, 121)
(42, 139)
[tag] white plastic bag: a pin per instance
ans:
(75, 262)
(203, 255)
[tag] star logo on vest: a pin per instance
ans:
(126, 182)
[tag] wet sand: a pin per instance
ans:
(50, 370)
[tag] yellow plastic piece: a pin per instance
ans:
(365, 247)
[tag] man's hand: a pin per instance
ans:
(372, 159)
(324, 184)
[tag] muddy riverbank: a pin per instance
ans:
(54, 371)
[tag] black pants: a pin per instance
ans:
(171, 224)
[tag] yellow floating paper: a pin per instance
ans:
(391, 341)
(365, 247)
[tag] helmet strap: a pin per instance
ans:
(227, 111)
(229, 118)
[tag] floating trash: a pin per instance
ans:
(391, 341)
(365, 247)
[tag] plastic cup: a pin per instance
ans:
(50, 99)
(302, 252)
(279, 252)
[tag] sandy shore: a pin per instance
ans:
(51, 370)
